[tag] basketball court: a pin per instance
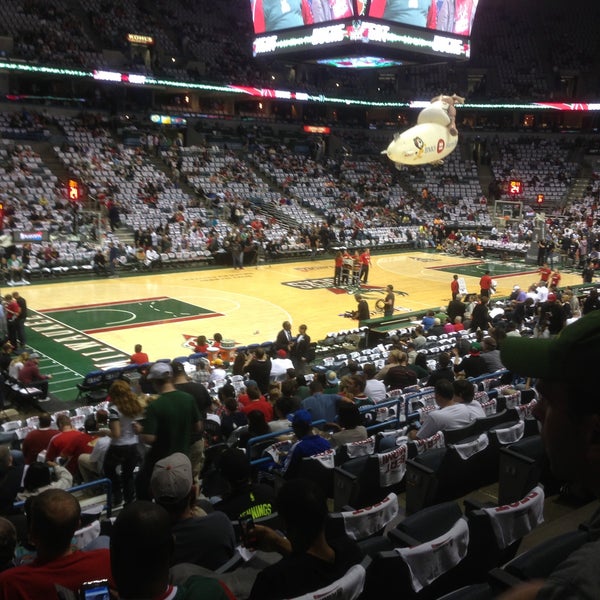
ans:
(79, 326)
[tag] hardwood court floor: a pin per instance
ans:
(163, 310)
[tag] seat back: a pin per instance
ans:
(319, 469)
(355, 449)
(356, 483)
(496, 532)
(348, 587)
(426, 569)
(365, 522)
(437, 475)
(541, 560)
(486, 423)
(453, 436)
(521, 466)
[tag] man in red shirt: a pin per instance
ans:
(545, 272)
(13, 310)
(454, 287)
(38, 439)
(53, 518)
(365, 263)
(485, 283)
(139, 357)
(30, 375)
(67, 443)
(555, 279)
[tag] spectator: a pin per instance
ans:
(40, 477)
(138, 357)
(472, 365)
(568, 409)
(8, 543)
(11, 476)
(38, 439)
(349, 424)
(53, 518)
(310, 561)
(207, 540)
(168, 424)
(243, 497)
(374, 388)
(91, 464)
(141, 550)
(307, 444)
(204, 402)
(353, 389)
(232, 417)
(444, 370)
(451, 414)
(399, 375)
(280, 365)
(464, 392)
(491, 355)
(65, 443)
(30, 375)
(124, 410)
(258, 403)
(258, 367)
(320, 405)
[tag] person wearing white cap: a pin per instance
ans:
(168, 423)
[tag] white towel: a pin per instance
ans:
(468, 449)
(392, 465)
(327, 458)
(490, 407)
(433, 441)
(348, 587)
(361, 448)
(512, 521)
(428, 561)
(510, 435)
(364, 522)
(526, 410)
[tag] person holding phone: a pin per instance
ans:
(310, 561)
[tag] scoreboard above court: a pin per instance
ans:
(404, 30)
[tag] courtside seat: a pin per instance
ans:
(92, 387)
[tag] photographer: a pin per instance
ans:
(362, 311)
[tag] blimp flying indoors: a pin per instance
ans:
(432, 139)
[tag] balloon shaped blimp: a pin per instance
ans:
(432, 139)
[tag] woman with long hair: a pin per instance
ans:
(125, 408)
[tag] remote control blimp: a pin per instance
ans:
(433, 137)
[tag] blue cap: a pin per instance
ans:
(300, 416)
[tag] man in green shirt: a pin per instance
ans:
(168, 424)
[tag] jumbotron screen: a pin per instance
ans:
(410, 30)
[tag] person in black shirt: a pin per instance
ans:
(362, 311)
(243, 497)
(310, 561)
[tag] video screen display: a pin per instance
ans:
(450, 16)
(274, 15)
(404, 30)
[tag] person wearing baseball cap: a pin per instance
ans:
(568, 409)
(201, 539)
(308, 443)
(280, 364)
(168, 423)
